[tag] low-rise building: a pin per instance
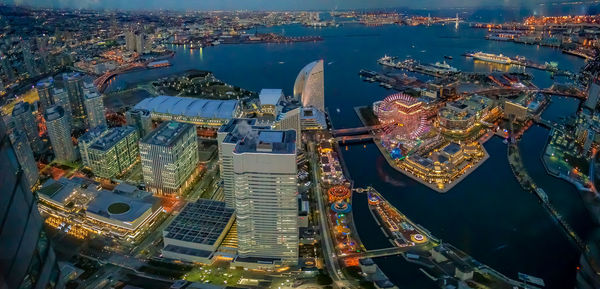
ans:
(122, 212)
(197, 232)
(201, 112)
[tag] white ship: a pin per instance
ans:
(491, 57)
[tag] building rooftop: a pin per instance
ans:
(271, 141)
(54, 112)
(190, 107)
(167, 133)
(201, 222)
(93, 134)
(270, 96)
(121, 207)
(91, 94)
(21, 107)
(112, 137)
(452, 148)
(59, 190)
(45, 83)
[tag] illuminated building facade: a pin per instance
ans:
(265, 188)
(201, 112)
(94, 108)
(59, 132)
(309, 87)
(122, 213)
(73, 83)
(170, 158)
(23, 119)
(461, 116)
(44, 89)
(109, 152)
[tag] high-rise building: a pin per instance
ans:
(130, 40)
(227, 137)
(27, 259)
(139, 42)
(170, 158)
(292, 120)
(94, 108)
(24, 119)
(19, 141)
(112, 153)
(59, 132)
(73, 83)
(7, 68)
(141, 120)
(44, 89)
(593, 94)
(61, 97)
(261, 165)
(265, 180)
(309, 87)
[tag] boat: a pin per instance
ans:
(448, 57)
(489, 57)
(443, 67)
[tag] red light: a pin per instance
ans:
(577, 267)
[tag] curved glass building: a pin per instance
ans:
(309, 87)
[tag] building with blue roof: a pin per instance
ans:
(199, 111)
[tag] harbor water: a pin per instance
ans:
(487, 215)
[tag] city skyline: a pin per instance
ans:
(145, 5)
(347, 149)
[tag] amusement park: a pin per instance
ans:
(411, 140)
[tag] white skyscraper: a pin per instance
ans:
(59, 132)
(227, 138)
(265, 188)
(94, 108)
(170, 158)
(18, 138)
(309, 87)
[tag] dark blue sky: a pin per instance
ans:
(282, 4)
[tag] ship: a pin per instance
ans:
(488, 57)
(442, 67)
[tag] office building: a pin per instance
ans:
(309, 87)
(265, 188)
(170, 158)
(201, 112)
(292, 120)
(593, 94)
(27, 259)
(227, 137)
(196, 233)
(109, 152)
(73, 83)
(94, 108)
(61, 97)
(141, 120)
(44, 89)
(19, 141)
(23, 119)
(59, 132)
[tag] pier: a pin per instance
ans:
(527, 183)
